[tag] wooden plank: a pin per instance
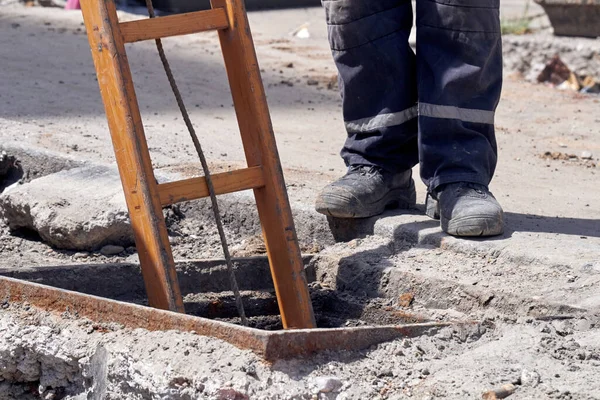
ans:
(196, 188)
(260, 148)
(173, 25)
(131, 152)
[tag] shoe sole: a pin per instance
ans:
(403, 198)
(473, 226)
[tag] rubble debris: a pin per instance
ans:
(201, 367)
(252, 246)
(111, 250)
(327, 384)
(500, 393)
(302, 32)
(586, 155)
(557, 155)
(527, 56)
(555, 72)
(590, 85)
(530, 378)
(406, 299)
(81, 255)
(572, 83)
(558, 74)
(231, 394)
(563, 328)
(586, 158)
(332, 83)
(250, 370)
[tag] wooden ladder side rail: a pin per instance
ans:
(132, 155)
(173, 25)
(260, 148)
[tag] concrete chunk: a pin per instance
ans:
(78, 209)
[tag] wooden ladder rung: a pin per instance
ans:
(174, 25)
(196, 188)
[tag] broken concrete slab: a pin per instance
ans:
(83, 208)
(79, 209)
(568, 243)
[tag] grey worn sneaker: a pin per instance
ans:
(466, 209)
(366, 191)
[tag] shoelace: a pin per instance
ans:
(474, 186)
(365, 170)
(462, 186)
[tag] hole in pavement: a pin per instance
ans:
(11, 171)
(27, 234)
(205, 287)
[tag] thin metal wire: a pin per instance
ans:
(213, 198)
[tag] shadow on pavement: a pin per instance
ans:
(52, 73)
(344, 230)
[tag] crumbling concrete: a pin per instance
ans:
(78, 209)
(552, 354)
(33, 360)
(83, 208)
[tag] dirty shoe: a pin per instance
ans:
(466, 209)
(366, 191)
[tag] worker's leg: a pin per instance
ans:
(377, 72)
(377, 76)
(459, 63)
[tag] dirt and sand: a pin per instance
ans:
(532, 292)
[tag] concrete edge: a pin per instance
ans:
(315, 231)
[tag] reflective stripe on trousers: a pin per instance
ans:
(389, 120)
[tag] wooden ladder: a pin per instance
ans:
(145, 198)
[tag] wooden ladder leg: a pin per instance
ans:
(133, 157)
(259, 145)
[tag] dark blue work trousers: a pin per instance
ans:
(435, 108)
